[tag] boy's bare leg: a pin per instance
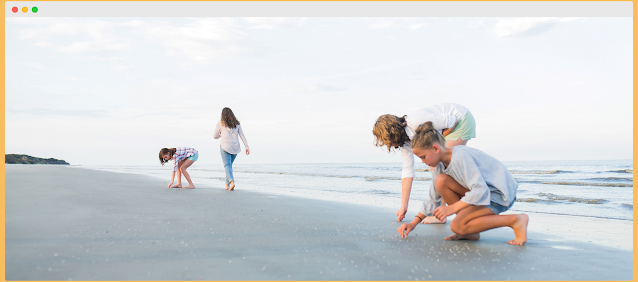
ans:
(450, 190)
(520, 229)
(475, 219)
(462, 217)
(183, 168)
(470, 221)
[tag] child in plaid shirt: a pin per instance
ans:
(183, 157)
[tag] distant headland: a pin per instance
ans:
(26, 159)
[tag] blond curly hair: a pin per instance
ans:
(389, 131)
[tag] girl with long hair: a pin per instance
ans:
(229, 130)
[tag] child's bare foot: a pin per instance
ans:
(189, 187)
(456, 237)
(177, 186)
(520, 229)
(232, 186)
(226, 186)
(433, 220)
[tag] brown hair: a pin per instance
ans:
(425, 136)
(228, 118)
(165, 151)
(389, 130)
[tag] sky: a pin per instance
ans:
(114, 91)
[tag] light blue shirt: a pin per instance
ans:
(487, 179)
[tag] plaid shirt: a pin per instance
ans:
(181, 154)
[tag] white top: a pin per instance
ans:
(229, 138)
(442, 116)
(487, 179)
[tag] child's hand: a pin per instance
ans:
(401, 213)
(169, 184)
(405, 229)
(247, 152)
(443, 212)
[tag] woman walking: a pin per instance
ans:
(229, 130)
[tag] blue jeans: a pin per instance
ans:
(228, 160)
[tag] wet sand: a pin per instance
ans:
(70, 223)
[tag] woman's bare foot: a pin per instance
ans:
(433, 220)
(232, 186)
(520, 229)
(456, 237)
(189, 187)
(177, 186)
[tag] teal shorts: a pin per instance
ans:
(464, 129)
(193, 157)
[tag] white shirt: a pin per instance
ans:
(229, 138)
(442, 116)
(487, 179)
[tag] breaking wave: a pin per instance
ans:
(588, 184)
(548, 197)
(623, 171)
(613, 178)
(536, 171)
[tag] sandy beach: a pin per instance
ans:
(71, 223)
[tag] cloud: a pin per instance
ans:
(418, 26)
(35, 66)
(476, 24)
(113, 59)
(96, 35)
(71, 78)
(328, 88)
(121, 67)
(527, 26)
(272, 23)
(409, 23)
(54, 112)
(382, 24)
(200, 41)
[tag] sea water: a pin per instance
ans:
(601, 189)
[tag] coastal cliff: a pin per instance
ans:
(26, 159)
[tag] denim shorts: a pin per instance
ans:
(193, 157)
(497, 208)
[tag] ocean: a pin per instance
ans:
(600, 189)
